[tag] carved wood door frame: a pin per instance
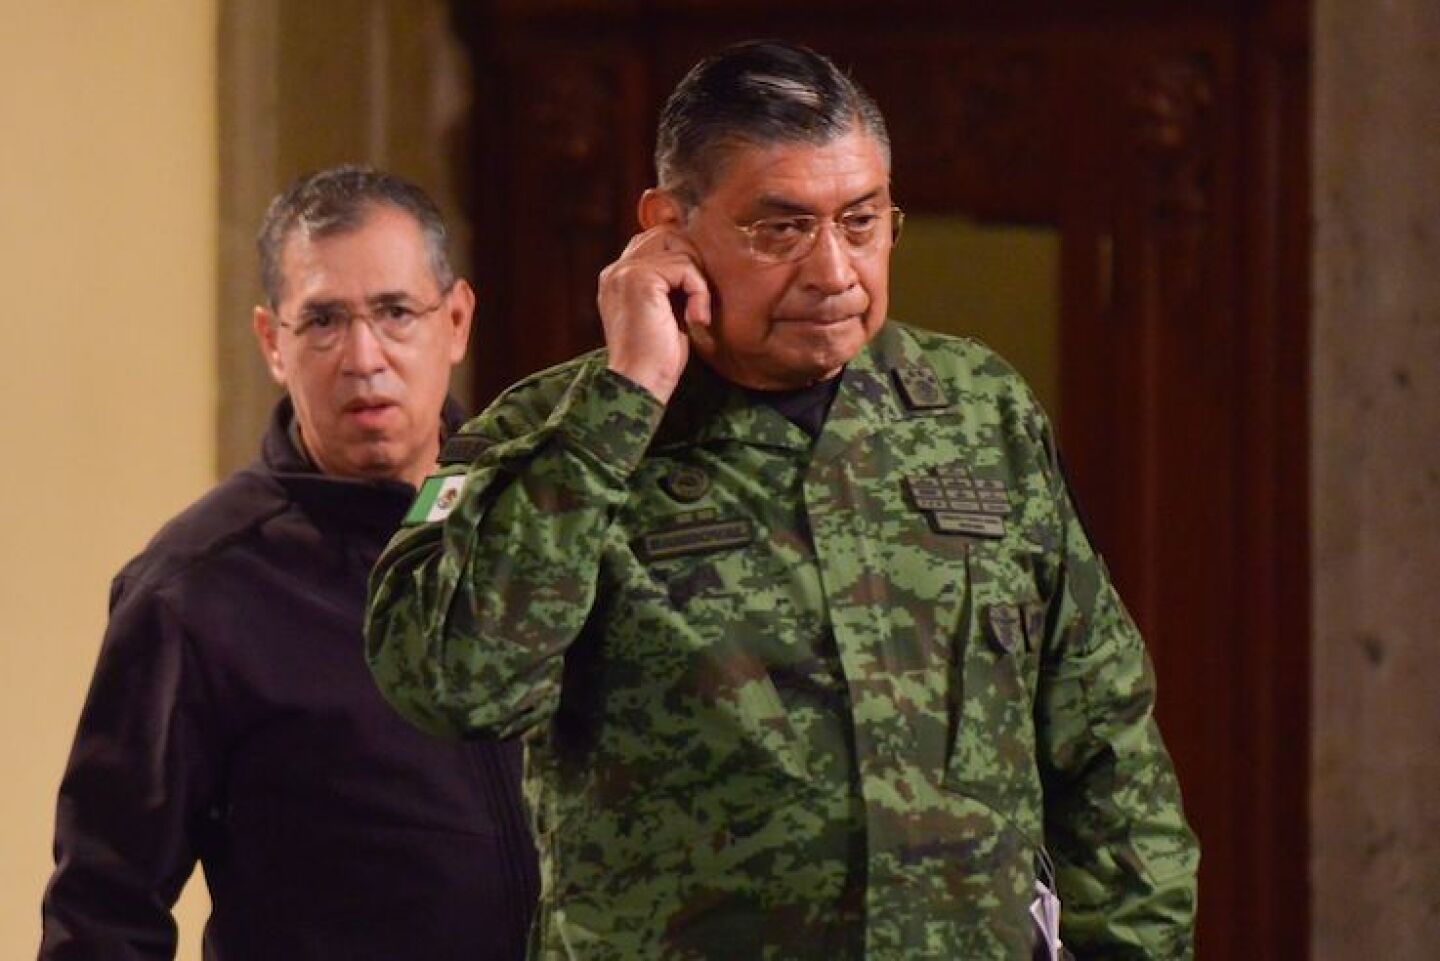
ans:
(1168, 143)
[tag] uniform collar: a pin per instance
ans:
(707, 408)
(891, 380)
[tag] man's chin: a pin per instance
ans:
(819, 357)
(792, 357)
(377, 459)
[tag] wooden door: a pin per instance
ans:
(1167, 143)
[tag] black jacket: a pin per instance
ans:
(232, 720)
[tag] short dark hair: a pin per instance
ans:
(758, 92)
(339, 200)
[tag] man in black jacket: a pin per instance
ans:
(231, 719)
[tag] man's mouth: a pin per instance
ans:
(367, 403)
(369, 411)
(820, 320)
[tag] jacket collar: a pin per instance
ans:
(890, 381)
(379, 504)
(708, 408)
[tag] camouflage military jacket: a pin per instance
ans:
(786, 699)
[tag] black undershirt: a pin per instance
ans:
(805, 407)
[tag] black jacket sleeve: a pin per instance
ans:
(139, 782)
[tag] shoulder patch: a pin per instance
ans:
(436, 499)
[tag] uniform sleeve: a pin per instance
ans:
(470, 616)
(1125, 859)
(138, 782)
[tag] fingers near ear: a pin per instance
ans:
(697, 324)
(697, 300)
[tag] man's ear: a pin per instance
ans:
(659, 206)
(459, 313)
(264, 324)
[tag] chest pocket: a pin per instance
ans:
(699, 559)
(718, 623)
(994, 673)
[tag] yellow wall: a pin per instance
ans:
(996, 282)
(107, 400)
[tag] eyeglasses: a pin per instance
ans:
(394, 321)
(779, 240)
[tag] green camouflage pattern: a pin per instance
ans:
(773, 711)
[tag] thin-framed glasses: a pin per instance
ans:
(393, 320)
(779, 240)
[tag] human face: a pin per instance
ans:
(779, 326)
(367, 407)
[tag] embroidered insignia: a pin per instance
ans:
(695, 537)
(919, 387)
(436, 499)
(974, 525)
(956, 503)
(686, 483)
(1006, 629)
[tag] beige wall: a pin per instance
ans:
(107, 404)
(1376, 458)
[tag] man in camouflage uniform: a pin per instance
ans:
(811, 652)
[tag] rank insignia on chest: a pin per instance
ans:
(920, 388)
(954, 502)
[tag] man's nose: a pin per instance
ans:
(364, 352)
(828, 267)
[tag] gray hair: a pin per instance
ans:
(337, 201)
(758, 93)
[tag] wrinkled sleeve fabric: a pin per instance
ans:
(137, 786)
(1125, 858)
(470, 616)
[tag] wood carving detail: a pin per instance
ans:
(571, 105)
(1174, 117)
(981, 122)
(991, 110)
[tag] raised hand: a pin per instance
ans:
(652, 300)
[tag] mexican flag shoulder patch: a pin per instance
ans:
(437, 498)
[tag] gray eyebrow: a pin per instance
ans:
(322, 305)
(382, 299)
